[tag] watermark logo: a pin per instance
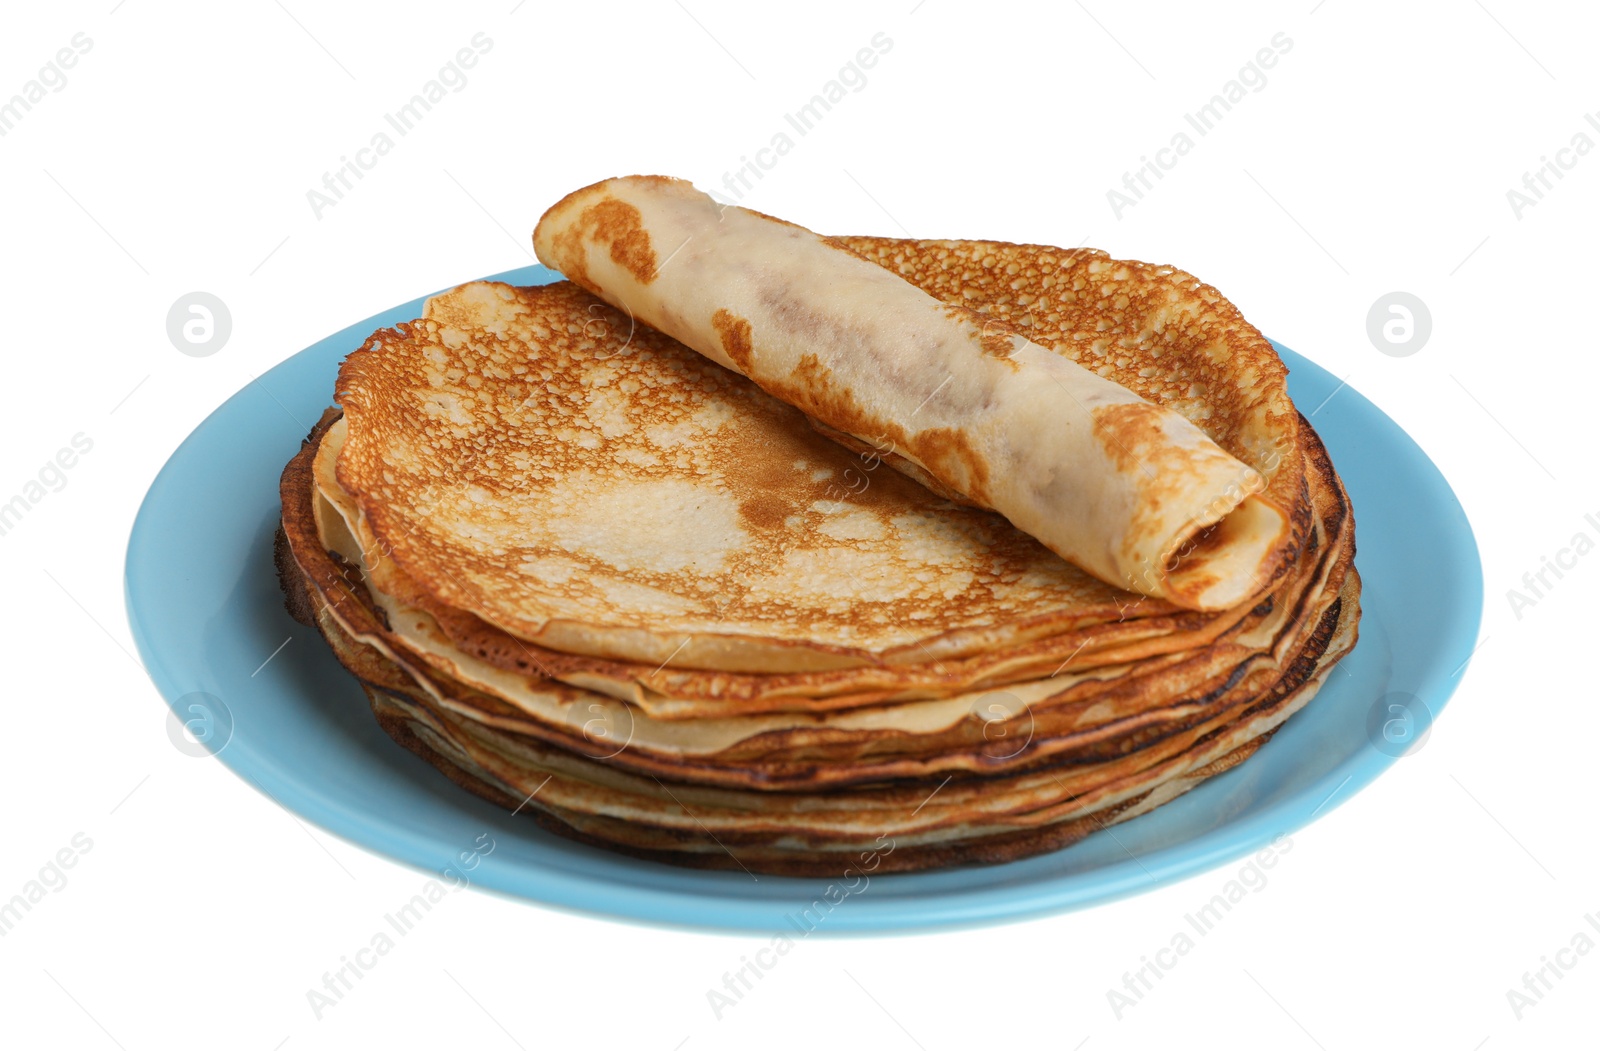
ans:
(604, 321)
(1399, 324)
(1007, 724)
(1398, 724)
(199, 725)
(199, 324)
(606, 727)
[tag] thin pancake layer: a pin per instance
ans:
(902, 808)
(1102, 648)
(620, 496)
(484, 769)
(1054, 718)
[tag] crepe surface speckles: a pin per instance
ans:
(530, 455)
(1156, 330)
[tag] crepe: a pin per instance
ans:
(925, 822)
(1134, 493)
(1071, 712)
(1016, 705)
(915, 822)
(609, 493)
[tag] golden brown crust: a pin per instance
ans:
(734, 332)
(615, 220)
(1174, 694)
(1195, 351)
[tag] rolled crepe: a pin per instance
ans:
(1129, 491)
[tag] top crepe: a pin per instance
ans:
(524, 454)
(1128, 490)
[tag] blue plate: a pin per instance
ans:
(206, 613)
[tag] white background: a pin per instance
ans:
(1377, 157)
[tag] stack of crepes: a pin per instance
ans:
(910, 554)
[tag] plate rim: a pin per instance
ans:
(938, 909)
